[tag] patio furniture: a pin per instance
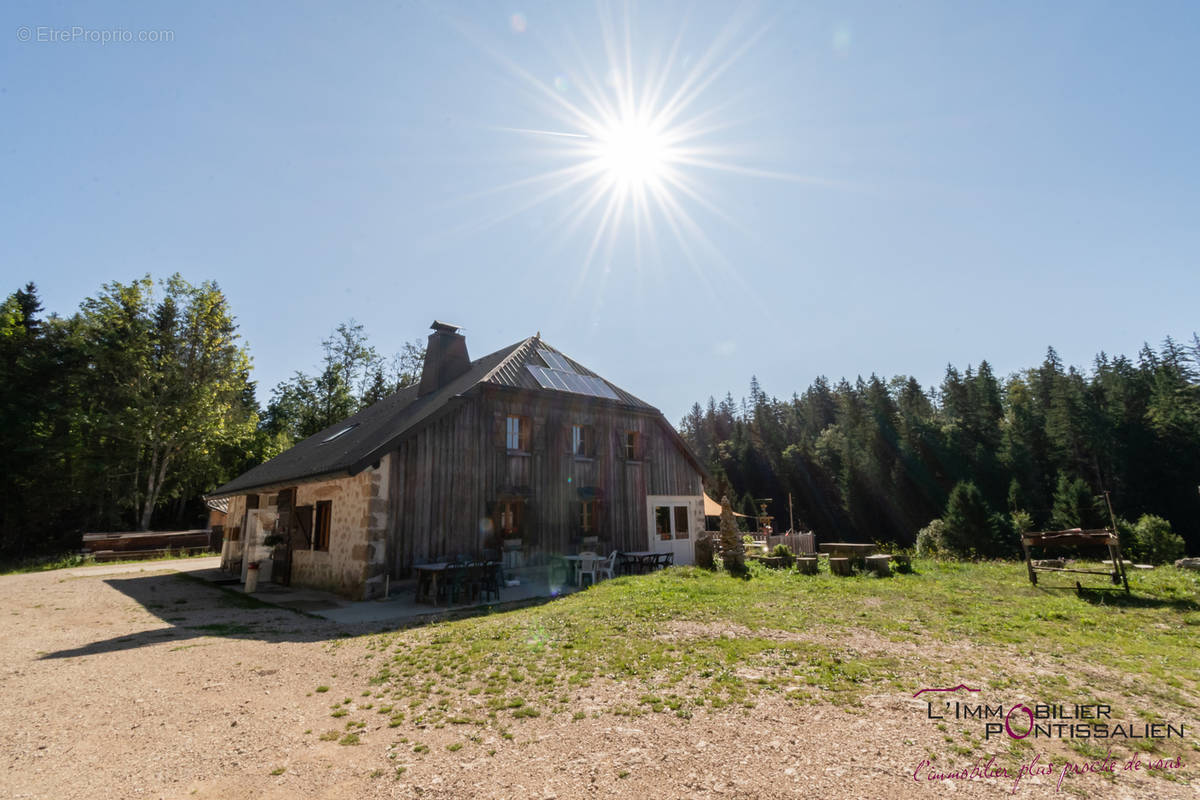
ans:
(806, 566)
(428, 580)
(663, 560)
(839, 566)
(455, 578)
(588, 565)
(606, 567)
(854, 551)
(493, 579)
(880, 564)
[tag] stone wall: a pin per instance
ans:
(355, 565)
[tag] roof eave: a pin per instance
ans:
(258, 488)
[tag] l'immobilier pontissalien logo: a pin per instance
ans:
(1046, 720)
(1043, 721)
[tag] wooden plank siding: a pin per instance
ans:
(446, 476)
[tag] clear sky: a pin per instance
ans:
(784, 190)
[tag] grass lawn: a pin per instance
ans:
(685, 642)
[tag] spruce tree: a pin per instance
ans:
(967, 525)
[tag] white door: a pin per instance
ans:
(675, 520)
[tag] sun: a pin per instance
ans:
(632, 153)
(629, 142)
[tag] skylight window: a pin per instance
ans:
(339, 434)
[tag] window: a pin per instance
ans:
(583, 440)
(517, 433)
(633, 445)
(588, 515)
(508, 517)
(662, 522)
(671, 522)
(321, 524)
(681, 522)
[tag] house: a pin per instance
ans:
(524, 449)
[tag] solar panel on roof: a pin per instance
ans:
(600, 388)
(555, 361)
(542, 378)
(563, 381)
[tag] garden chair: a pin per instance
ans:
(606, 566)
(589, 564)
(493, 576)
(454, 581)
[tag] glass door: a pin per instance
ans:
(671, 527)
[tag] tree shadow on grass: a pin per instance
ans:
(1118, 598)
(191, 609)
(1115, 597)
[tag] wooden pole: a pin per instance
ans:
(791, 518)
(1118, 557)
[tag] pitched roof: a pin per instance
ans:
(359, 440)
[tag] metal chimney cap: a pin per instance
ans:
(444, 327)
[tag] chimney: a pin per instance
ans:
(445, 358)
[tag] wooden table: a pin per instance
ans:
(646, 560)
(432, 571)
(856, 552)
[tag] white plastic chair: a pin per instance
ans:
(589, 564)
(605, 566)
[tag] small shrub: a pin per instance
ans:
(1154, 542)
(705, 558)
(349, 739)
(930, 539)
(784, 552)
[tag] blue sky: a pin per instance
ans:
(902, 186)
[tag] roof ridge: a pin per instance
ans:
(512, 352)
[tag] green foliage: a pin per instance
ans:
(122, 415)
(1152, 541)
(1022, 521)
(931, 539)
(784, 552)
(967, 528)
(1075, 506)
(875, 459)
(140, 400)
(353, 376)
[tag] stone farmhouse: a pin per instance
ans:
(523, 451)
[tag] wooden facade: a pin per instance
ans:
(446, 478)
(522, 445)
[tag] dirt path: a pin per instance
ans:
(134, 682)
